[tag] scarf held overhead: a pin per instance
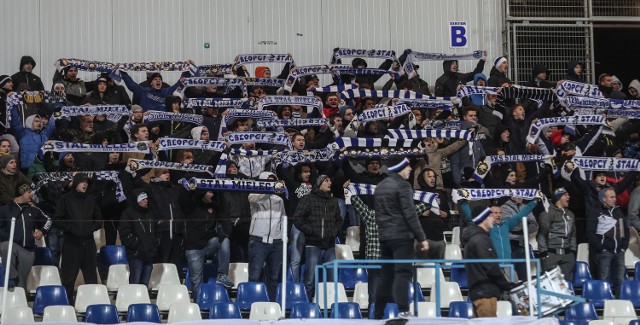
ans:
(422, 196)
(477, 194)
(61, 146)
(484, 166)
(178, 143)
(425, 56)
(537, 126)
(134, 165)
(259, 137)
(242, 185)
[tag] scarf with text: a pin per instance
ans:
(134, 165)
(312, 69)
(380, 152)
(213, 70)
(61, 146)
(601, 164)
(292, 123)
(214, 102)
(242, 185)
(309, 101)
(340, 53)
(41, 179)
(610, 113)
(235, 114)
(264, 82)
(259, 137)
(154, 116)
(437, 124)
(426, 103)
(537, 126)
(574, 88)
(477, 194)
(30, 97)
(243, 59)
(413, 56)
(484, 166)
(179, 143)
(383, 113)
(155, 66)
(588, 102)
(294, 157)
(465, 91)
(113, 112)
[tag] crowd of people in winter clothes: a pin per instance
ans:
(160, 221)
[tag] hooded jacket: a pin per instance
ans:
(26, 80)
(395, 212)
(28, 219)
(200, 225)
(30, 141)
(296, 187)
(571, 75)
(635, 84)
(318, 217)
(557, 229)
(138, 233)
(535, 82)
(497, 78)
(485, 280)
(78, 215)
(267, 215)
(447, 83)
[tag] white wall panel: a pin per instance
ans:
(20, 26)
(148, 30)
(72, 29)
(225, 24)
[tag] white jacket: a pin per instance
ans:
(267, 213)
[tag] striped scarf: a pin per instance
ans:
(383, 113)
(537, 126)
(134, 165)
(344, 142)
(574, 88)
(484, 166)
(167, 143)
(61, 146)
(477, 194)
(357, 93)
(425, 56)
(113, 112)
(214, 102)
(424, 134)
(41, 179)
(312, 69)
(422, 196)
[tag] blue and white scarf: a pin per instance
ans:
(312, 69)
(367, 71)
(340, 53)
(264, 82)
(577, 101)
(382, 152)
(357, 93)
(214, 102)
(344, 142)
(424, 134)
(606, 164)
(167, 143)
(465, 91)
(610, 113)
(383, 113)
(425, 56)
(536, 94)
(331, 89)
(41, 179)
(155, 66)
(153, 116)
(213, 81)
(574, 88)
(61, 146)
(242, 185)
(425, 103)
(213, 69)
(422, 196)
(292, 123)
(235, 114)
(477, 194)
(308, 101)
(243, 59)
(134, 165)
(113, 112)
(484, 166)
(537, 126)
(435, 124)
(30, 97)
(253, 153)
(294, 157)
(259, 137)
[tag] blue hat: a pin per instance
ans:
(483, 215)
(397, 163)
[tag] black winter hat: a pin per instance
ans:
(4, 79)
(358, 62)
(26, 59)
(154, 75)
(79, 178)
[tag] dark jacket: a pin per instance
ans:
(395, 211)
(535, 82)
(150, 98)
(165, 199)
(485, 280)
(201, 226)
(296, 187)
(318, 217)
(8, 185)
(447, 83)
(497, 78)
(78, 215)
(28, 219)
(571, 75)
(557, 229)
(24, 80)
(138, 233)
(607, 229)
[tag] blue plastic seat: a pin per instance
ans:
(635, 321)
(349, 310)
(349, 277)
(143, 313)
(581, 274)
(581, 312)
(209, 271)
(250, 292)
(102, 314)
(113, 254)
(42, 256)
(574, 322)
(49, 296)
(224, 310)
(417, 289)
(296, 293)
(459, 275)
(390, 311)
(461, 309)
(211, 293)
(305, 310)
(630, 290)
(597, 291)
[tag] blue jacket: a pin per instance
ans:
(500, 232)
(30, 141)
(150, 99)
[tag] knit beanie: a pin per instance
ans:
(4, 160)
(4, 79)
(479, 218)
(559, 192)
(21, 189)
(321, 179)
(260, 71)
(397, 163)
(499, 60)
